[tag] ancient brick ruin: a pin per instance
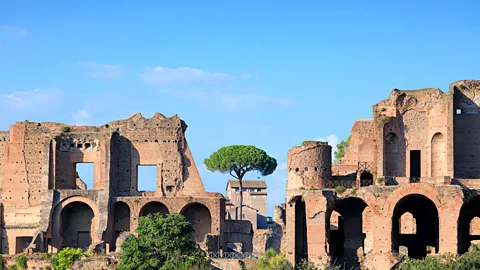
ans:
(45, 207)
(408, 184)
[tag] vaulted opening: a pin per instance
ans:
(200, 218)
(469, 224)
(366, 179)
(439, 161)
(77, 225)
(154, 207)
(419, 233)
(301, 244)
(348, 240)
(121, 220)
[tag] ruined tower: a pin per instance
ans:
(309, 165)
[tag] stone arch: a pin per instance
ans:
(347, 244)
(300, 243)
(393, 155)
(421, 189)
(468, 225)
(438, 155)
(121, 220)
(79, 204)
(77, 225)
(366, 179)
(152, 208)
(200, 218)
(427, 227)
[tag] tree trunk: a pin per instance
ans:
(241, 198)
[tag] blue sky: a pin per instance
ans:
(266, 73)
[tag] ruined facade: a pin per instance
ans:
(408, 184)
(44, 207)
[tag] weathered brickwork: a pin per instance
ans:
(47, 207)
(415, 188)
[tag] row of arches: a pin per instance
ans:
(78, 221)
(415, 228)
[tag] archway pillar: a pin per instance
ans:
(448, 217)
(318, 226)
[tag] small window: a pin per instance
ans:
(252, 190)
(459, 111)
(259, 189)
(244, 189)
(237, 189)
(306, 169)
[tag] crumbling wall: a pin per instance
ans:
(157, 141)
(361, 147)
(309, 165)
(467, 126)
(408, 121)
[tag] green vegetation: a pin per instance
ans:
(469, 260)
(47, 267)
(272, 261)
(340, 152)
(238, 160)
(66, 257)
(353, 192)
(380, 180)
(384, 119)
(64, 128)
(162, 243)
(12, 267)
(340, 190)
(21, 261)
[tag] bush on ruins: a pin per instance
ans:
(467, 261)
(162, 243)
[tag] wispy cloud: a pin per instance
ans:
(332, 140)
(32, 99)
(282, 166)
(103, 71)
(81, 117)
(14, 31)
(162, 75)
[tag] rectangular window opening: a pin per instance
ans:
(459, 111)
(147, 177)
(84, 178)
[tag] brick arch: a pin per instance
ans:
(200, 217)
(410, 189)
(154, 206)
(56, 218)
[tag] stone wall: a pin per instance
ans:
(309, 165)
(41, 196)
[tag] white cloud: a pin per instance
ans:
(104, 71)
(161, 76)
(332, 140)
(32, 99)
(81, 117)
(14, 31)
(282, 166)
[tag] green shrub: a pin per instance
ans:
(47, 267)
(21, 261)
(272, 261)
(441, 262)
(471, 259)
(162, 243)
(353, 192)
(380, 180)
(65, 128)
(12, 267)
(66, 257)
(340, 189)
